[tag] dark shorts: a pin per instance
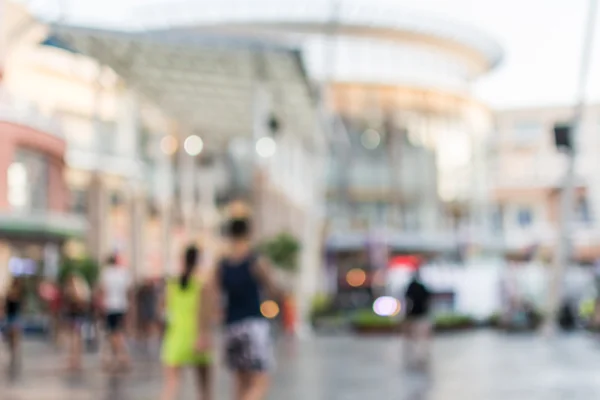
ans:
(249, 346)
(75, 319)
(11, 323)
(115, 322)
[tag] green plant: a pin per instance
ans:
(86, 267)
(368, 319)
(322, 306)
(449, 321)
(587, 309)
(283, 251)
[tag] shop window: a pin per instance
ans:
(525, 217)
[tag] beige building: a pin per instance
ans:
(528, 173)
(131, 172)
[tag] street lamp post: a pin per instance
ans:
(563, 253)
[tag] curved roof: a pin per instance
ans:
(372, 17)
(207, 84)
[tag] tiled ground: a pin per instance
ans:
(477, 366)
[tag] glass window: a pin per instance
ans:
(527, 132)
(18, 196)
(583, 211)
(28, 181)
(498, 220)
(79, 201)
(525, 217)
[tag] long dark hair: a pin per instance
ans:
(191, 259)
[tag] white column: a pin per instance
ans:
(163, 189)
(137, 232)
(187, 190)
(4, 272)
(51, 260)
(98, 214)
(207, 210)
(128, 129)
(260, 175)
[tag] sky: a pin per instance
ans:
(542, 42)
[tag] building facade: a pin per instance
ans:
(528, 174)
(35, 219)
(407, 137)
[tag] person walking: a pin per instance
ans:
(418, 325)
(241, 278)
(187, 340)
(115, 291)
(147, 316)
(13, 308)
(77, 298)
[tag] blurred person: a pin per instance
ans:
(418, 324)
(13, 309)
(187, 337)
(147, 314)
(49, 291)
(241, 277)
(77, 298)
(289, 315)
(115, 289)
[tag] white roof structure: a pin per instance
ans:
(207, 85)
(355, 17)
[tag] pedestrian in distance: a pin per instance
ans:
(417, 325)
(115, 292)
(77, 303)
(147, 320)
(13, 308)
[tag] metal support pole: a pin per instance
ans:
(563, 251)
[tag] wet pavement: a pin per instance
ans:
(474, 366)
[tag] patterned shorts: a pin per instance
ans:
(249, 346)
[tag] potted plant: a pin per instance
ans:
(86, 267)
(283, 251)
(453, 322)
(367, 322)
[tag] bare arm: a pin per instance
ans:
(265, 274)
(206, 319)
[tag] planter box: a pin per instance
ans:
(454, 328)
(377, 330)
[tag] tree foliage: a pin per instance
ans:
(283, 250)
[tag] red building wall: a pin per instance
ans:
(14, 136)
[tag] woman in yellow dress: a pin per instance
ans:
(187, 336)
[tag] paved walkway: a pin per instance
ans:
(477, 366)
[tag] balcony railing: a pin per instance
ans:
(26, 114)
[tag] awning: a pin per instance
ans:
(206, 84)
(42, 227)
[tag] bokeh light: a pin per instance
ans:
(386, 306)
(356, 277)
(193, 145)
(266, 147)
(168, 145)
(370, 139)
(269, 309)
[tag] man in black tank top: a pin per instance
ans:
(241, 278)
